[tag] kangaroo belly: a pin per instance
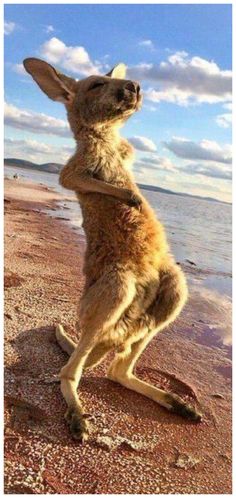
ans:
(119, 234)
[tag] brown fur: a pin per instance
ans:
(133, 286)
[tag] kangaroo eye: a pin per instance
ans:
(96, 85)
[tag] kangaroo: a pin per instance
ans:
(133, 287)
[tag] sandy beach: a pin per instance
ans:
(135, 446)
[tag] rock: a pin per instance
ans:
(184, 461)
(106, 442)
(133, 445)
(111, 443)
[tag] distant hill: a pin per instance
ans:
(21, 163)
(182, 194)
(56, 168)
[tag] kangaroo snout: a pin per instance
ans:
(132, 86)
(129, 92)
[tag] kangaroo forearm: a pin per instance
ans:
(85, 183)
(99, 186)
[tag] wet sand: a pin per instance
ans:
(135, 445)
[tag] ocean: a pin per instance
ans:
(198, 231)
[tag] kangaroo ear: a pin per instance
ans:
(118, 71)
(56, 86)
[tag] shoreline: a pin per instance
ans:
(144, 186)
(135, 446)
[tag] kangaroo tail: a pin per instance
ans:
(64, 340)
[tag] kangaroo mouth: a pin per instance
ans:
(139, 101)
(132, 101)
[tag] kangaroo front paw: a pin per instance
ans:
(178, 406)
(78, 425)
(134, 201)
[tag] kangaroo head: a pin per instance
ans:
(91, 102)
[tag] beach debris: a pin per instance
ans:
(52, 379)
(191, 262)
(217, 395)
(19, 310)
(185, 461)
(62, 218)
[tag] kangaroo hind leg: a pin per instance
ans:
(161, 313)
(100, 308)
(121, 371)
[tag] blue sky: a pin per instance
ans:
(180, 53)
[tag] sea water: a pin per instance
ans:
(198, 232)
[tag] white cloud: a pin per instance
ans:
(9, 27)
(228, 106)
(183, 80)
(224, 120)
(28, 146)
(32, 150)
(35, 122)
(150, 108)
(143, 143)
(211, 170)
(146, 43)
(156, 163)
(19, 69)
(207, 169)
(184, 180)
(173, 96)
(205, 150)
(73, 59)
(49, 28)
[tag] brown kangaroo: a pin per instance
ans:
(133, 286)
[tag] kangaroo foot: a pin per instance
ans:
(180, 407)
(78, 424)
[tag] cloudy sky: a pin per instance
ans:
(181, 54)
